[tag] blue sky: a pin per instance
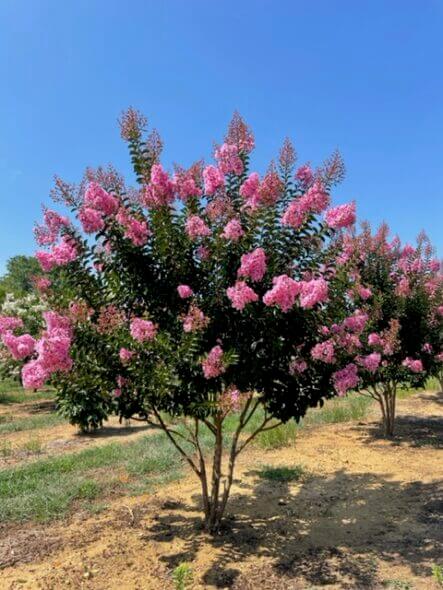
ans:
(364, 76)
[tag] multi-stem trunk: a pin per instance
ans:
(215, 494)
(386, 394)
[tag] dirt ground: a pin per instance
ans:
(367, 514)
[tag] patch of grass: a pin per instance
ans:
(182, 576)
(282, 474)
(437, 572)
(11, 392)
(351, 408)
(5, 449)
(30, 423)
(33, 445)
(47, 488)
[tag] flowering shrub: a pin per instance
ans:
(201, 293)
(21, 321)
(392, 333)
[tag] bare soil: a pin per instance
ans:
(368, 513)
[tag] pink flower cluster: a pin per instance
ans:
(315, 200)
(313, 292)
(253, 265)
(265, 193)
(297, 366)
(143, 330)
(185, 291)
(414, 365)
(345, 379)
(232, 231)
(126, 355)
(59, 255)
(9, 324)
(341, 216)
(52, 351)
(19, 346)
(304, 174)
(195, 320)
(213, 364)
(97, 198)
(213, 179)
(185, 185)
(356, 323)
(283, 293)
(324, 351)
(196, 227)
(135, 230)
(53, 223)
(240, 295)
(370, 362)
(228, 159)
(160, 191)
(249, 190)
(92, 220)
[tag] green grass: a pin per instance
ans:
(12, 393)
(9, 424)
(347, 409)
(282, 474)
(49, 487)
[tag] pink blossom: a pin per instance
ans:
(8, 323)
(270, 189)
(370, 362)
(195, 320)
(60, 255)
(427, 348)
(253, 265)
(19, 346)
(229, 162)
(185, 185)
(218, 207)
(91, 220)
(185, 291)
(143, 330)
(53, 351)
(414, 365)
(341, 216)
(249, 190)
(364, 292)
(313, 292)
(57, 323)
(345, 379)
(232, 231)
(213, 365)
(125, 355)
(213, 179)
(117, 392)
(203, 252)
(295, 214)
(53, 223)
(240, 295)
(160, 191)
(316, 198)
(356, 323)
(283, 293)
(403, 288)
(34, 375)
(375, 339)
(97, 198)
(324, 351)
(297, 366)
(304, 174)
(196, 227)
(440, 310)
(42, 284)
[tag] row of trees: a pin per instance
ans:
(214, 290)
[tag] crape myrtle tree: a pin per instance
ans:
(392, 334)
(199, 294)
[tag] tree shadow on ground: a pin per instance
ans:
(108, 431)
(415, 431)
(325, 530)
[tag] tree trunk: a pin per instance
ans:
(389, 395)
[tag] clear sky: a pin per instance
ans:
(365, 76)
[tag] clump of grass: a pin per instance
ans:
(397, 585)
(30, 423)
(5, 449)
(182, 576)
(348, 409)
(11, 392)
(48, 487)
(282, 474)
(437, 572)
(279, 437)
(33, 445)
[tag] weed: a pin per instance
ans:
(182, 576)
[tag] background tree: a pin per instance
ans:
(19, 277)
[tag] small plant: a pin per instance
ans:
(5, 449)
(182, 576)
(283, 474)
(437, 572)
(33, 445)
(397, 585)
